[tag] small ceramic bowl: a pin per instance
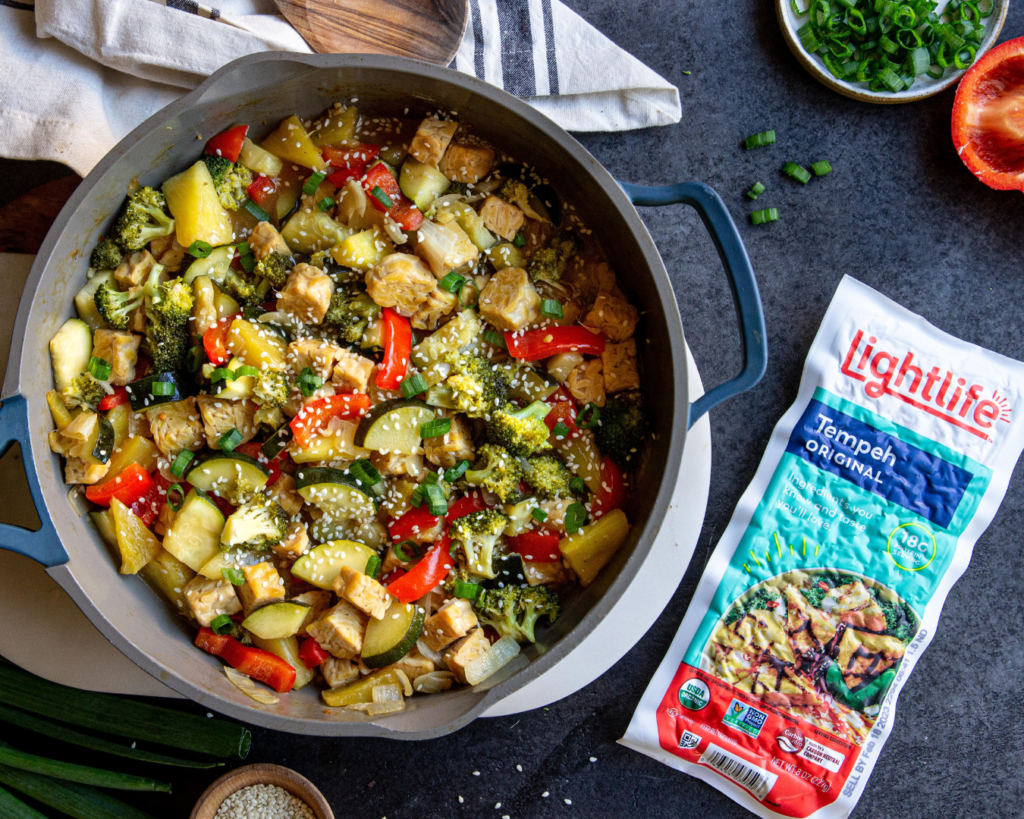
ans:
(923, 87)
(210, 801)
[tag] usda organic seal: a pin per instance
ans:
(694, 694)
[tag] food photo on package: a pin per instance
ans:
(780, 686)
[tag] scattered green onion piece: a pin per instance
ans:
(436, 502)
(161, 388)
(373, 565)
(552, 308)
(313, 183)
(539, 515)
(222, 624)
(326, 204)
(222, 374)
(760, 140)
(466, 590)
(435, 428)
(416, 498)
(756, 191)
(760, 217)
(475, 289)
(175, 504)
(243, 249)
(589, 416)
(229, 440)
(495, 338)
(246, 371)
(200, 249)
(181, 463)
(577, 485)
(234, 576)
(797, 172)
(456, 472)
(413, 385)
(519, 240)
(365, 473)
(309, 382)
(821, 167)
(248, 263)
(255, 211)
(378, 194)
(560, 430)
(575, 517)
(452, 282)
(400, 551)
(99, 368)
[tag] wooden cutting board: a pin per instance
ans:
(25, 221)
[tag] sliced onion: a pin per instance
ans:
(427, 652)
(394, 230)
(376, 709)
(351, 202)
(76, 497)
(386, 693)
(248, 687)
(498, 656)
(406, 685)
(434, 682)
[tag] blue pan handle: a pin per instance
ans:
(43, 546)
(734, 257)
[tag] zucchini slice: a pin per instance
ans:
(362, 690)
(276, 621)
(387, 641)
(70, 351)
(85, 300)
(100, 445)
(277, 443)
(334, 493)
(528, 385)
(194, 537)
(221, 473)
(422, 183)
(140, 393)
(230, 559)
(394, 426)
(322, 564)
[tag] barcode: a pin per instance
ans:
(754, 779)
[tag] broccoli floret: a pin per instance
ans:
(459, 188)
(268, 418)
(271, 389)
(231, 181)
(514, 191)
(496, 471)
(168, 308)
(515, 611)
(549, 477)
(144, 218)
(475, 537)
(275, 268)
(549, 262)
(521, 431)
(622, 428)
(115, 306)
(244, 289)
(256, 525)
(350, 312)
(85, 391)
(473, 386)
(765, 599)
(106, 255)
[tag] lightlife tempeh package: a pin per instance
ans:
(780, 687)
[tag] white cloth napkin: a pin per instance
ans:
(77, 75)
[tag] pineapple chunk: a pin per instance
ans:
(198, 214)
(256, 346)
(291, 142)
(170, 576)
(360, 251)
(136, 543)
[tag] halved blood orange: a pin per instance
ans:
(988, 117)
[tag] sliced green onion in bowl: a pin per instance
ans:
(435, 428)
(466, 590)
(560, 430)
(200, 249)
(577, 485)
(309, 188)
(222, 374)
(308, 382)
(413, 385)
(495, 338)
(326, 204)
(589, 416)
(99, 368)
(175, 503)
(402, 555)
(575, 517)
(436, 502)
(243, 249)
(519, 240)
(246, 370)
(365, 473)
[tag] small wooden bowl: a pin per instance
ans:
(209, 803)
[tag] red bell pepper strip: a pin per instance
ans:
(227, 144)
(253, 662)
(317, 413)
(466, 505)
(412, 523)
(252, 449)
(397, 337)
(564, 411)
(341, 178)
(311, 654)
(131, 484)
(119, 396)
(357, 155)
(402, 210)
(215, 340)
(425, 575)
(148, 507)
(261, 188)
(537, 547)
(613, 493)
(531, 345)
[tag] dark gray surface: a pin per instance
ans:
(902, 214)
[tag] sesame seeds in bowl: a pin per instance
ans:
(262, 792)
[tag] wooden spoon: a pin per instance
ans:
(429, 30)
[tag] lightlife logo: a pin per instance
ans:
(936, 390)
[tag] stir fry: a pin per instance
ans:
(360, 400)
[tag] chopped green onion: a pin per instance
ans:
(575, 517)
(560, 430)
(539, 515)
(233, 576)
(78, 773)
(413, 385)
(475, 289)
(797, 172)
(518, 240)
(577, 485)
(200, 249)
(161, 388)
(181, 463)
(229, 440)
(456, 472)
(436, 502)
(248, 263)
(821, 167)
(326, 204)
(313, 183)
(175, 504)
(760, 140)
(589, 416)
(755, 191)
(466, 590)
(378, 194)
(452, 282)
(246, 371)
(222, 374)
(365, 473)
(400, 551)
(760, 217)
(495, 338)
(255, 211)
(435, 428)
(552, 308)
(416, 498)
(373, 565)
(99, 368)
(243, 249)
(309, 382)
(222, 624)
